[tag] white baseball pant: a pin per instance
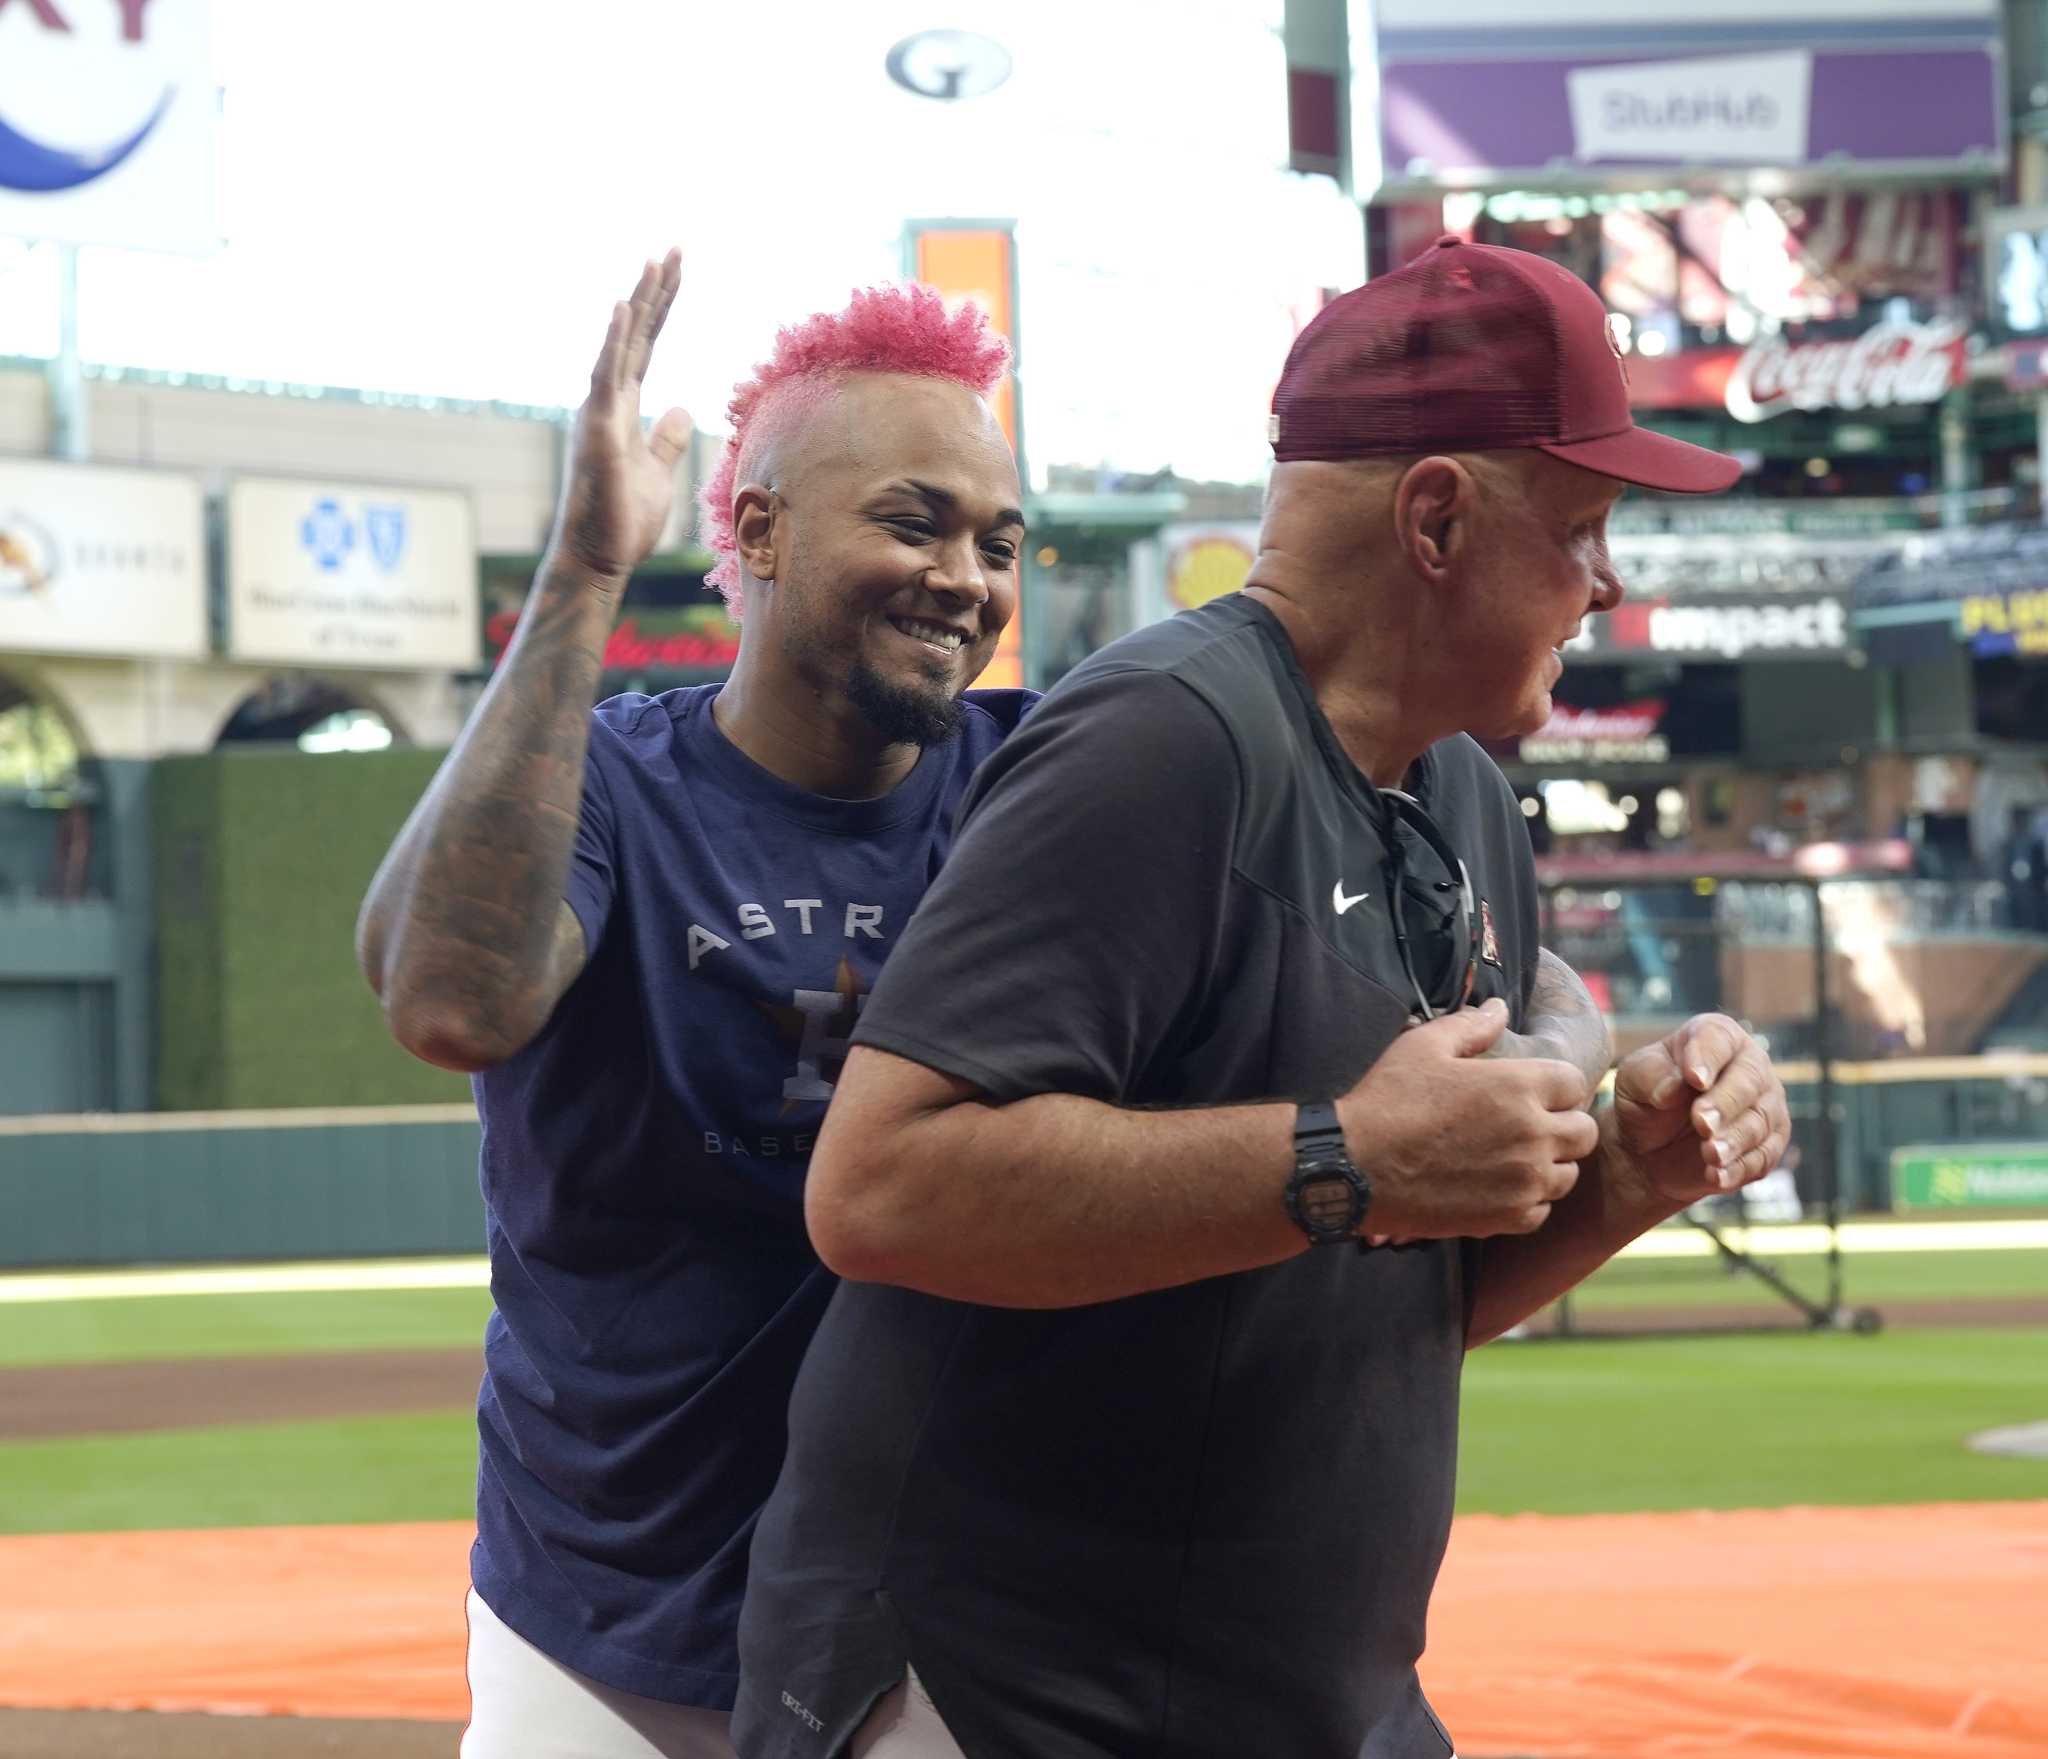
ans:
(527, 1705)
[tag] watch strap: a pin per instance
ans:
(1327, 1196)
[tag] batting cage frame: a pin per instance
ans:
(1816, 1117)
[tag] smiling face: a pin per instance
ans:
(1535, 568)
(890, 533)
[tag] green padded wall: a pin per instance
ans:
(263, 856)
(141, 1188)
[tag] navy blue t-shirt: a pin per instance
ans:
(643, 1168)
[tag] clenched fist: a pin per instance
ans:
(1701, 1112)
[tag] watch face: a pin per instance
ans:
(1328, 1201)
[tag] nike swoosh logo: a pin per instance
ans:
(1343, 903)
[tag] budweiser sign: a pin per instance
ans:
(1628, 734)
(1886, 365)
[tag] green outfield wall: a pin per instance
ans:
(262, 857)
(184, 1188)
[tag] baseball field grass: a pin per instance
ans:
(166, 1327)
(412, 1467)
(1609, 1425)
(1603, 1426)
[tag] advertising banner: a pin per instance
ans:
(97, 561)
(681, 643)
(2010, 622)
(108, 111)
(1724, 566)
(1629, 733)
(1497, 93)
(1785, 626)
(1971, 1175)
(326, 574)
(1204, 562)
(1888, 366)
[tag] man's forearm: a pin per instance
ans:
(1564, 1022)
(1056, 1200)
(457, 932)
(1611, 1205)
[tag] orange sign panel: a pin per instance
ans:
(978, 264)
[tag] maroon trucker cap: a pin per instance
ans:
(1476, 348)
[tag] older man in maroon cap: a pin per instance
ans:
(1121, 1436)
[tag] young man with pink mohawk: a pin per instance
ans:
(648, 932)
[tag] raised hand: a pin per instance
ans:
(1456, 1144)
(620, 485)
(1702, 1111)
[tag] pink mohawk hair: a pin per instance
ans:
(883, 330)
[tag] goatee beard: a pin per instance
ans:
(901, 714)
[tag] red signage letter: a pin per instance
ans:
(45, 10)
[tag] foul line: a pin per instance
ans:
(1808, 1239)
(1796, 1240)
(338, 1277)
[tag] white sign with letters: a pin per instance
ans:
(1749, 109)
(108, 111)
(101, 561)
(1816, 626)
(326, 574)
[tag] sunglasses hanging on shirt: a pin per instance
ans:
(1434, 915)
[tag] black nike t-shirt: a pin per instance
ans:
(1202, 1522)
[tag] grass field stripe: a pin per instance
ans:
(1799, 1240)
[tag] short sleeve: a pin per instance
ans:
(1075, 925)
(593, 865)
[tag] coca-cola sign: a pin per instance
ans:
(1889, 364)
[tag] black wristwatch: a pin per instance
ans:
(1327, 1196)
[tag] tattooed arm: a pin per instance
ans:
(1563, 1022)
(465, 934)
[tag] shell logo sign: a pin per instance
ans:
(1205, 564)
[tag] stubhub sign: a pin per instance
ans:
(107, 119)
(1716, 108)
(1513, 94)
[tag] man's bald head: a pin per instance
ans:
(1347, 501)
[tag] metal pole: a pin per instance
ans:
(1954, 425)
(70, 428)
(2041, 457)
(1824, 1055)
